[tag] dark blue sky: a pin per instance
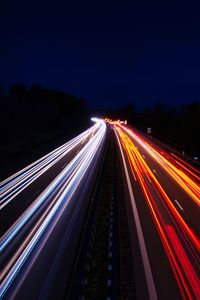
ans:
(141, 52)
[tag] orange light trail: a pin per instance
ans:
(191, 187)
(178, 232)
(188, 165)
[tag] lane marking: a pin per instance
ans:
(109, 267)
(179, 205)
(154, 171)
(144, 254)
(109, 282)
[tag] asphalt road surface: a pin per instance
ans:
(44, 205)
(165, 198)
(43, 208)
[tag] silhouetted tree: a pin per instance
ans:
(30, 116)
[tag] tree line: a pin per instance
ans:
(178, 125)
(35, 115)
(31, 116)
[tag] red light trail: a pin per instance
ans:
(180, 242)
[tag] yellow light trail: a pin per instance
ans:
(183, 269)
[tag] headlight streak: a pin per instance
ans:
(183, 268)
(14, 229)
(65, 185)
(20, 173)
(16, 183)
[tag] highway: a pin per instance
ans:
(165, 197)
(43, 207)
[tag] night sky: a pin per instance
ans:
(139, 52)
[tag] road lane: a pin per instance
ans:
(179, 240)
(56, 212)
(173, 179)
(12, 186)
(28, 183)
(145, 258)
